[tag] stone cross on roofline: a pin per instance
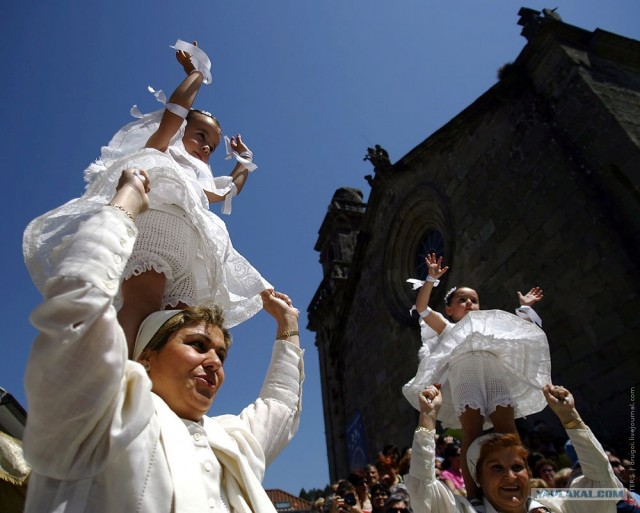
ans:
(531, 20)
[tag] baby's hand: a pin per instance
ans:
(184, 59)
(238, 145)
(531, 297)
(434, 265)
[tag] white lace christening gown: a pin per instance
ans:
(489, 358)
(219, 274)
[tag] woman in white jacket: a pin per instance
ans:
(108, 434)
(497, 463)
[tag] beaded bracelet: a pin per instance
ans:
(573, 423)
(287, 334)
(122, 209)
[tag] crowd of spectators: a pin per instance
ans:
(379, 487)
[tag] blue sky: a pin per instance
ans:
(310, 84)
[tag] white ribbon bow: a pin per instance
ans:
(158, 95)
(248, 163)
(199, 59)
(416, 283)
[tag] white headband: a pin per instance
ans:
(149, 328)
(473, 453)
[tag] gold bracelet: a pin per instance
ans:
(287, 334)
(426, 430)
(573, 423)
(121, 208)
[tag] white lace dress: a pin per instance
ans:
(489, 358)
(219, 273)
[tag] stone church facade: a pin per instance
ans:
(536, 183)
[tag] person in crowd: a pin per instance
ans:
(345, 499)
(392, 451)
(498, 463)
(387, 466)
(379, 494)
(318, 505)
(536, 482)
(451, 474)
(631, 501)
(628, 474)
(398, 502)
(359, 482)
(441, 444)
(405, 462)
(438, 464)
(561, 478)
(106, 433)
(546, 470)
(534, 457)
(371, 474)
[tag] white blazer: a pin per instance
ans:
(98, 439)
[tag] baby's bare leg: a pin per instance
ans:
(142, 295)
(503, 420)
(472, 422)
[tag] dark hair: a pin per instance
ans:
(347, 492)
(356, 478)
(204, 113)
(450, 451)
(384, 463)
(391, 450)
(533, 458)
(211, 316)
(541, 463)
(451, 294)
(399, 495)
(378, 487)
(405, 463)
(370, 466)
(344, 486)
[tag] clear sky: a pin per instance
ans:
(310, 84)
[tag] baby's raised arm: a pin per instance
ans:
(531, 297)
(183, 97)
(240, 172)
(435, 271)
(526, 311)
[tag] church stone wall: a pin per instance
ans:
(536, 183)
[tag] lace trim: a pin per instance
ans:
(175, 299)
(144, 264)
